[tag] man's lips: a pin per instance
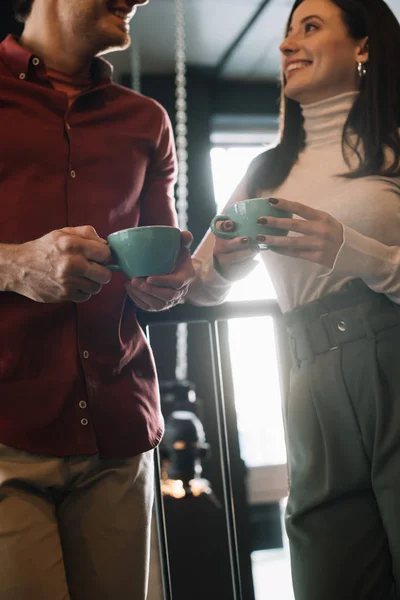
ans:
(121, 13)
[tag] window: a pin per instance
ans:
(252, 343)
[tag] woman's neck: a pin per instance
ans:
(324, 120)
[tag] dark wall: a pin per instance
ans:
(7, 22)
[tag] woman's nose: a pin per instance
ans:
(288, 45)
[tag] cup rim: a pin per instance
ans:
(251, 200)
(143, 227)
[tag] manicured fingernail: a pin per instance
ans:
(273, 200)
(244, 240)
(227, 226)
(262, 221)
(261, 238)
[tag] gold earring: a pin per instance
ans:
(362, 70)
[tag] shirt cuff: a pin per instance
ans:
(209, 286)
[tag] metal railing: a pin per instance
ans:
(213, 316)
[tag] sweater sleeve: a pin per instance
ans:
(209, 286)
(374, 262)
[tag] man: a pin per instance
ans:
(79, 413)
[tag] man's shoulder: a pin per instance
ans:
(139, 100)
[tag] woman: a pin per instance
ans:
(337, 279)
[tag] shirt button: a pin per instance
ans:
(73, 174)
(85, 354)
(22, 76)
(341, 326)
(68, 126)
(84, 422)
(35, 61)
(82, 404)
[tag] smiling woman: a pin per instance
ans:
(319, 54)
(336, 275)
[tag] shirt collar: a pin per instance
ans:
(19, 61)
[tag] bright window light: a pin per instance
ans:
(251, 341)
(229, 165)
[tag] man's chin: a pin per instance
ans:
(114, 44)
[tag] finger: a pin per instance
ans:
(78, 296)
(95, 251)
(226, 226)
(75, 244)
(235, 258)
(238, 244)
(147, 291)
(310, 255)
(296, 225)
(85, 231)
(144, 300)
(181, 275)
(88, 287)
(141, 305)
(298, 242)
(297, 208)
(186, 239)
(97, 273)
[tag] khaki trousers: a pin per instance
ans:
(342, 423)
(75, 528)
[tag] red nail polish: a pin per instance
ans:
(260, 238)
(273, 200)
(244, 240)
(262, 221)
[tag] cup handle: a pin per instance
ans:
(228, 235)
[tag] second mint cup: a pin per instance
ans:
(244, 216)
(144, 251)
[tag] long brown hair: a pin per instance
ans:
(374, 117)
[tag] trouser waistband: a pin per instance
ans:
(338, 318)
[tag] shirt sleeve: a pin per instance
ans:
(366, 258)
(157, 200)
(209, 286)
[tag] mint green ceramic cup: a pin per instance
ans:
(144, 251)
(244, 216)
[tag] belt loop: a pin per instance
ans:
(300, 343)
(369, 332)
(333, 346)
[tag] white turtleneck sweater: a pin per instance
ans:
(368, 208)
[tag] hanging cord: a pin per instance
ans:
(182, 154)
(136, 66)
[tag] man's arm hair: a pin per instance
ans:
(9, 270)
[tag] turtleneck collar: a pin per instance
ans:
(324, 120)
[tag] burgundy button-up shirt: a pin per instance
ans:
(78, 378)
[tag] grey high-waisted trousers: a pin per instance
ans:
(342, 423)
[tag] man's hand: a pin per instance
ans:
(160, 292)
(64, 265)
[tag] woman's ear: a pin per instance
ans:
(362, 51)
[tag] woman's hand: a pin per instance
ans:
(234, 258)
(320, 239)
